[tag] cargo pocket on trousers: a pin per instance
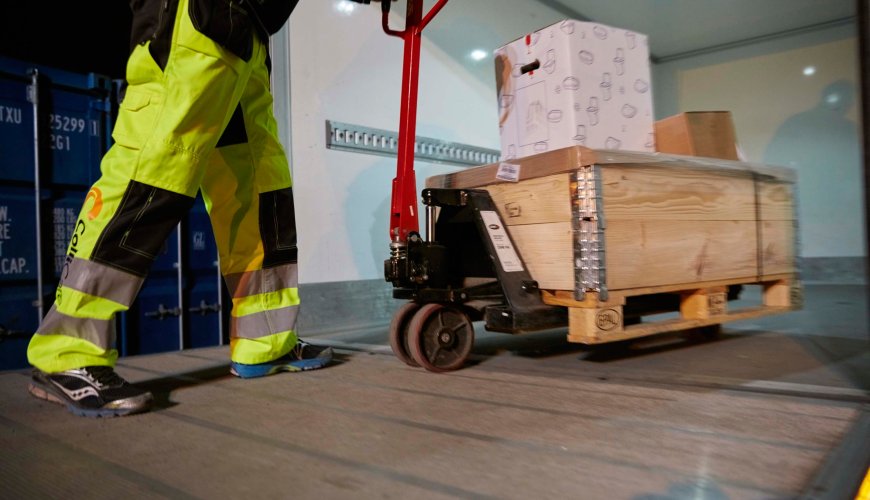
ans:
(278, 227)
(226, 23)
(135, 120)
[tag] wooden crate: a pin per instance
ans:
(598, 228)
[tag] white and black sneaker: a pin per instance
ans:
(92, 391)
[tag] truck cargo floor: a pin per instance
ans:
(775, 407)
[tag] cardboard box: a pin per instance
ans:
(698, 133)
(574, 83)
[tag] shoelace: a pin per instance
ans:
(299, 348)
(105, 375)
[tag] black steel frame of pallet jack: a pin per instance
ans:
(458, 247)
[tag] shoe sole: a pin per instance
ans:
(46, 395)
(254, 371)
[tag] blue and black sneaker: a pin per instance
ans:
(304, 356)
(92, 391)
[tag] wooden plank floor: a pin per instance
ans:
(761, 412)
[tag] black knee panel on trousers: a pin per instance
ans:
(138, 230)
(278, 227)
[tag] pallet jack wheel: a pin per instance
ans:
(399, 332)
(440, 337)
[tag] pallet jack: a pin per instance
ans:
(465, 268)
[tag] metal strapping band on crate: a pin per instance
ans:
(360, 139)
(588, 233)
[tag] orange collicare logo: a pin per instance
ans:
(97, 195)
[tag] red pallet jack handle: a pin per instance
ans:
(403, 208)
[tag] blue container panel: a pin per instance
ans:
(153, 324)
(19, 318)
(204, 312)
(77, 140)
(204, 317)
(167, 258)
(16, 131)
(81, 81)
(20, 314)
(13, 353)
(77, 109)
(17, 234)
(202, 250)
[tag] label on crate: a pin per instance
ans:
(508, 172)
(504, 249)
(717, 304)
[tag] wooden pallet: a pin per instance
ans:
(597, 321)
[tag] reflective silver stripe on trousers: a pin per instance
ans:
(100, 332)
(102, 281)
(265, 323)
(263, 280)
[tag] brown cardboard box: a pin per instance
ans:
(698, 133)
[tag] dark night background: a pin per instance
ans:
(82, 36)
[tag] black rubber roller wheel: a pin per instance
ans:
(399, 332)
(440, 337)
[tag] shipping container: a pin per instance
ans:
(154, 320)
(203, 282)
(54, 121)
(32, 251)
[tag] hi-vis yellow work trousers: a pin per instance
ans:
(201, 120)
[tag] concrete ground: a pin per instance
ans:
(774, 408)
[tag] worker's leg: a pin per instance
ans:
(168, 124)
(248, 192)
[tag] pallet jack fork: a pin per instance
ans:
(467, 267)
